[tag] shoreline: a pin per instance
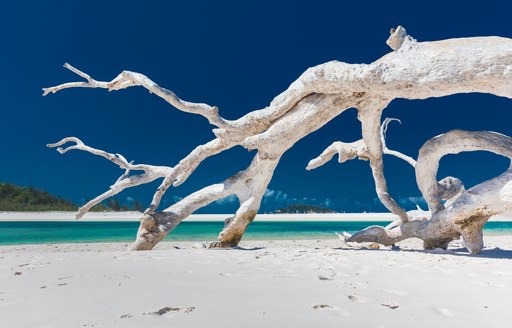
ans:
(135, 216)
(303, 283)
(410, 244)
(84, 232)
(494, 246)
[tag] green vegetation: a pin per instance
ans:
(113, 204)
(15, 198)
(29, 199)
(303, 208)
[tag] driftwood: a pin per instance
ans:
(414, 70)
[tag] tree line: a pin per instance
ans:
(30, 199)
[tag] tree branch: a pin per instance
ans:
(186, 166)
(466, 211)
(385, 149)
(453, 142)
(117, 159)
(369, 114)
(415, 70)
(348, 151)
(248, 185)
(345, 151)
(125, 181)
(91, 83)
(129, 79)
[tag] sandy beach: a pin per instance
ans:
(170, 108)
(261, 284)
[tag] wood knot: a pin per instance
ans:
(358, 95)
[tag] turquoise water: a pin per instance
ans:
(12, 233)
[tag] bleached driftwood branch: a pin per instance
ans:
(453, 142)
(385, 149)
(349, 151)
(414, 70)
(359, 149)
(129, 79)
(466, 215)
(345, 151)
(125, 181)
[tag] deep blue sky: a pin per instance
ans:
(238, 56)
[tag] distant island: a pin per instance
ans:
(30, 199)
(304, 209)
(17, 198)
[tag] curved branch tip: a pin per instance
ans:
(384, 126)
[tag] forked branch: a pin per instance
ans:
(129, 79)
(414, 70)
(349, 151)
(453, 142)
(467, 211)
(151, 172)
(385, 149)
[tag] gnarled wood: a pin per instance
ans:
(151, 172)
(468, 210)
(414, 70)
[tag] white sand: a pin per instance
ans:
(135, 216)
(267, 284)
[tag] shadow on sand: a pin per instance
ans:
(492, 253)
(237, 248)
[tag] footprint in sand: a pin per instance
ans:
(327, 307)
(391, 305)
(171, 310)
(356, 299)
(355, 285)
